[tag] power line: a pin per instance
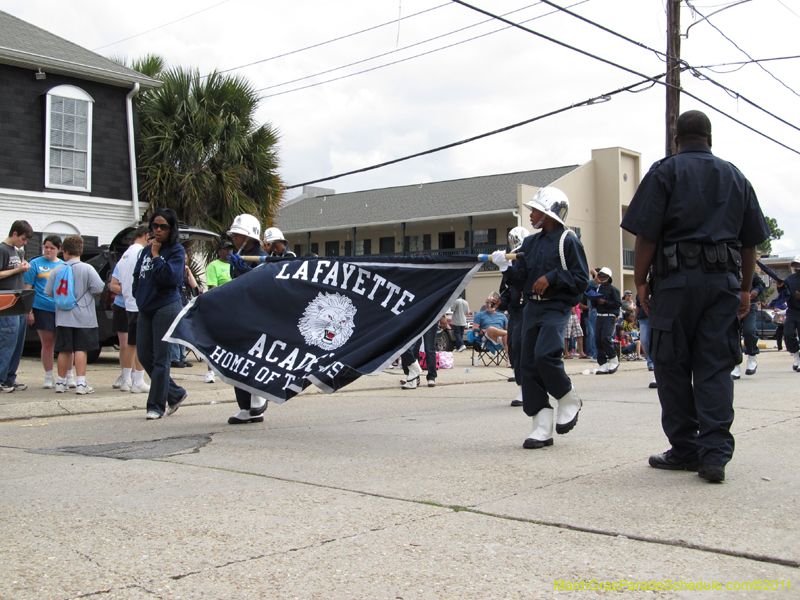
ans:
(399, 50)
(743, 63)
(740, 49)
(737, 95)
(606, 29)
(160, 26)
(403, 59)
(618, 66)
(789, 9)
(263, 60)
(685, 66)
(596, 100)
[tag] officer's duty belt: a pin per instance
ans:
(535, 297)
(713, 258)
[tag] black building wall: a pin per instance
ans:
(22, 133)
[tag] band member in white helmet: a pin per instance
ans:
(552, 275)
(245, 233)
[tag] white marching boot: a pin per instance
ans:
(414, 371)
(518, 400)
(258, 405)
(603, 370)
(752, 365)
(569, 405)
(796, 364)
(542, 434)
(737, 372)
(613, 365)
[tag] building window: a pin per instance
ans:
(363, 247)
(387, 245)
(68, 139)
(348, 248)
(298, 249)
(315, 248)
(332, 248)
(577, 231)
(481, 237)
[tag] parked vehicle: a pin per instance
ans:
(104, 259)
(765, 328)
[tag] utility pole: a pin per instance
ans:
(673, 71)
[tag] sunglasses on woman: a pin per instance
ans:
(162, 226)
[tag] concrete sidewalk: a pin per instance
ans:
(374, 492)
(36, 402)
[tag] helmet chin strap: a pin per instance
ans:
(539, 224)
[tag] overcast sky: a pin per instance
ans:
(472, 87)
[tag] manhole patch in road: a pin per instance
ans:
(146, 449)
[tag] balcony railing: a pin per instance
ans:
(487, 266)
(627, 258)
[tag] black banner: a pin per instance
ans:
(290, 323)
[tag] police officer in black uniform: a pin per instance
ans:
(697, 220)
(552, 275)
(757, 289)
(512, 301)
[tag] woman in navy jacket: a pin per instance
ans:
(157, 278)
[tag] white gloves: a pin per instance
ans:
(499, 258)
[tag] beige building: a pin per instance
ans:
(471, 216)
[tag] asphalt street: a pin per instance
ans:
(376, 492)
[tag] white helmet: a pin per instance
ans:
(516, 235)
(606, 271)
(273, 234)
(552, 202)
(246, 225)
(796, 260)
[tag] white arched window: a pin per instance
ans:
(68, 139)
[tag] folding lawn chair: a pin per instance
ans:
(487, 351)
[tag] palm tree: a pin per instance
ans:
(201, 152)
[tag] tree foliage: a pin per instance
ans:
(201, 151)
(775, 234)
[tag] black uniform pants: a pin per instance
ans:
(541, 363)
(604, 338)
(515, 318)
(411, 355)
(790, 330)
(750, 333)
(695, 341)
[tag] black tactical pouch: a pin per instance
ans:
(671, 254)
(690, 253)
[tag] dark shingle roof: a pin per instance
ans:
(470, 196)
(25, 45)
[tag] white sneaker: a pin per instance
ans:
(152, 415)
(752, 365)
(71, 383)
(48, 383)
(209, 378)
(461, 349)
(83, 389)
(126, 386)
(542, 434)
(140, 388)
(569, 406)
(737, 372)
(118, 383)
(61, 388)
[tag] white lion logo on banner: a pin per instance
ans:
(327, 321)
